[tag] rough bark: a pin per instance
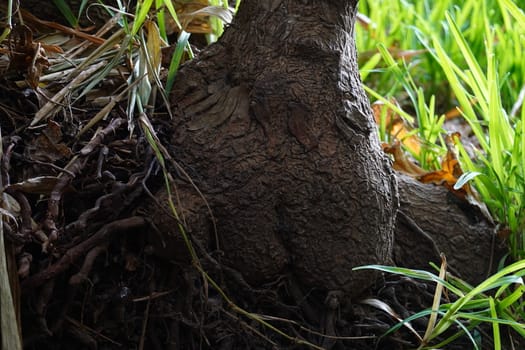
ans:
(432, 220)
(273, 127)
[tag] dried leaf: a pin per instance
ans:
(401, 161)
(40, 185)
(396, 127)
(381, 305)
(223, 14)
(450, 170)
(26, 55)
(451, 176)
(153, 44)
(33, 20)
(47, 147)
(191, 19)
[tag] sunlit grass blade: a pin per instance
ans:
(449, 68)
(490, 283)
(176, 59)
(390, 105)
(141, 15)
(172, 12)
(513, 10)
(367, 68)
(495, 325)
(8, 21)
(472, 305)
(65, 10)
(418, 274)
(479, 76)
(435, 303)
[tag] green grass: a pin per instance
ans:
(403, 25)
(497, 301)
(434, 57)
(468, 56)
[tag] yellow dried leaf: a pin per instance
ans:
(396, 126)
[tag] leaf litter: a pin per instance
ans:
(74, 168)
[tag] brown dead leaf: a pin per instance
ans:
(401, 161)
(447, 176)
(35, 21)
(450, 170)
(194, 16)
(504, 233)
(27, 56)
(38, 185)
(48, 146)
(396, 127)
(189, 22)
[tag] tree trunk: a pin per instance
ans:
(274, 129)
(432, 220)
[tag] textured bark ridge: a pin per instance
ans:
(433, 221)
(272, 125)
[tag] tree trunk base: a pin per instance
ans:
(432, 220)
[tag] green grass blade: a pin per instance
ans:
(495, 325)
(419, 274)
(141, 14)
(182, 43)
(65, 10)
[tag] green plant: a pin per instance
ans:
(472, 307)
(8, 21)
(400, 25)
(471, 51)
(498, 165)
(429, 128)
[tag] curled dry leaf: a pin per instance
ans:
(195, 16)
(395, 126)
(37, 185)
(48, 146)
(450, 170)
(26, 55)
(401, 161)
(448, 176)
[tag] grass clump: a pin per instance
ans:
(458, 61)
(497, 301)
(464, 58)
